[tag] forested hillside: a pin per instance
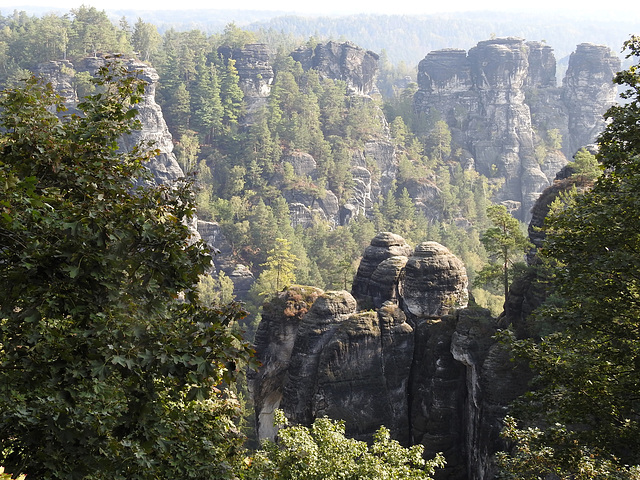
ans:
(295, 156)
(245, 140)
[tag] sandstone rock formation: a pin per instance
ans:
(502, 105)
(341, 61)
(255, 72)
(587, 87)
(164, 167)
(393, 353)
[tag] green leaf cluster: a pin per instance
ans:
(322, 452)
(110, 366)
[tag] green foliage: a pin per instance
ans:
(556, 453)
(231, 95)
(92, 32)
(145, 39)
(216, 290)
(439, 141)
(585, 165)
(110, 365)
(322, 452)
(279, 268)
(506, 245)
(7, 476)
(187, 151)
(584, 403)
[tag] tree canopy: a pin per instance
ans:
(322, 452)
(582, 420)
(110, 366)
(506, 245)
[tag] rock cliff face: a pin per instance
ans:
(502, 105)
(164, 167)
(255, 72)
(587, 87)
(402, 350)
(341, 61)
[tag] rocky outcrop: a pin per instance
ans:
(587, 88)
(276, 333)
(402, 351)
(504, 109)
(435, 282)
(164, 166)
(256, 74)
(378, 273)
(341, 61)
(60, 74)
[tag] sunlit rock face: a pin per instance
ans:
(587, 88)
(506, 113)
(435, 281)
(380, 268)
(401, 350)
(164, 166)
(341, 61)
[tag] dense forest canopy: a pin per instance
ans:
(238, 150)
(253, 164)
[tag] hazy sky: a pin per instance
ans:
(331, 6)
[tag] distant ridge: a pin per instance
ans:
(406, 38)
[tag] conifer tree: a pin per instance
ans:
(231, 95)
(506, 245)
(205, 101)
(145, 39)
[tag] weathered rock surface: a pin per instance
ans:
(255, 72)
(60, 74)
(390, 355)
(277, 334)
(164, 167)
(378, 273)
(435, 281)
(341, 61)
(587, 88)
(502, 105)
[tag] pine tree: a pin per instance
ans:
(506, 245)
(279, 268)
(231, 95)
(178, 111)
(145, 39)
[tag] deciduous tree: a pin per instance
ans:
(322, 452)
(583, 417)
(110, 366)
